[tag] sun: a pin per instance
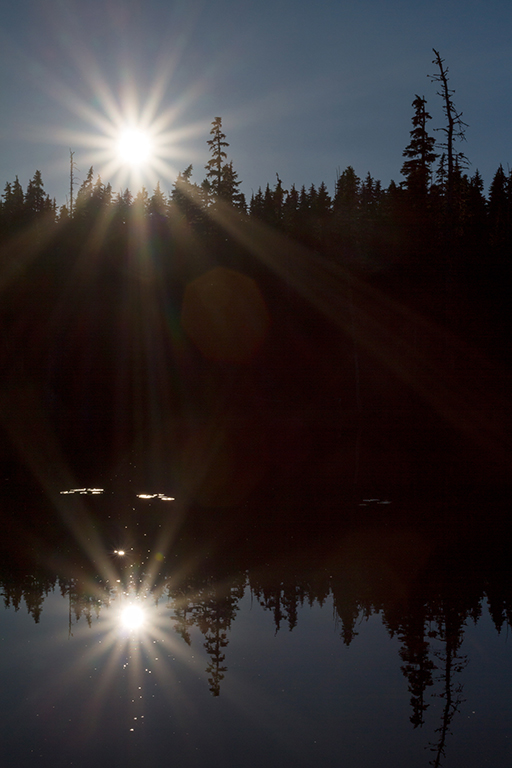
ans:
(131, 137)
(132, 617)
(134, 147)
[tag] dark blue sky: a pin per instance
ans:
(303, 89)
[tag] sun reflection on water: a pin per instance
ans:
(132, 617)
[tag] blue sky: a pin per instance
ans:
(303, 89)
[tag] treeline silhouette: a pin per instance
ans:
(360, 225)
(437, 215)
(124, 317)
(435, 233)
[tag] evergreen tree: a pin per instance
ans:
(346, 208)
(475, 235)
(419, 203)
(476, 203)
(320, 217)
(312, 196)
(499, 212)
(229, 191)
(370, 198)
(420, 153)
(371, 217)
(323, 201)
(273, 203)
(215, 165)
(290, 211)
(222, 182)
(346, 198)
(188, 200)
(63, 214)
(303, 213)
(182, 191)
(304, 206)
(100, 198)
(256, 207)
(13, 207)
(122, 206)
(141, 204)
(84, 194)
(270, 213)
(37, 202)
(157, 204)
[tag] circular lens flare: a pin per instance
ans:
(132, 617)
(134, 147)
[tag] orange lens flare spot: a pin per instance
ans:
(225, 315)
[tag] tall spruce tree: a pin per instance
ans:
(222, 182)
(419, 152)
(215, 165)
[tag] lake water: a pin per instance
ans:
(301, 472)
(367, 636)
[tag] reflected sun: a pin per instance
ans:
(132, 617)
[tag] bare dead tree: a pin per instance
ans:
(454, 129)
(72, 180)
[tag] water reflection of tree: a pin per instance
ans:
(183, 613)
(450, 663)
(214, 622)
(282, 601)
(85, 599)
(418, 667)
(369, 573)
(212, 607)
(285, 585)
(33, 587)
(348, 609)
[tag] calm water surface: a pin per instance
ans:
(371, 643)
